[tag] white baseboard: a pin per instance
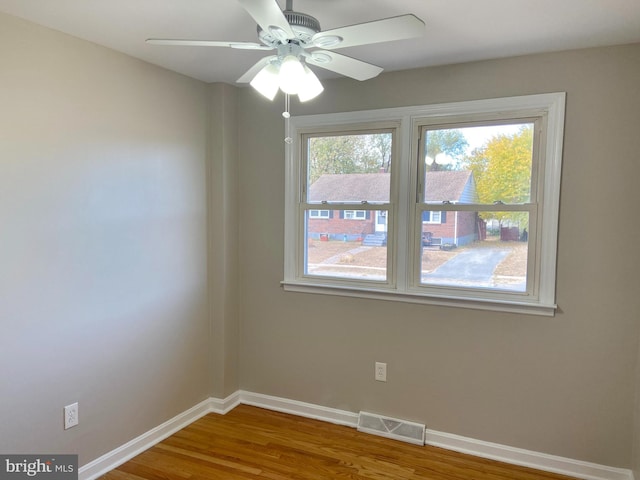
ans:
(526, 458)
(120, 455)
(294, 407)
(479, 448)
(224, 406)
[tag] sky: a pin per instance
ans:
(478, 136)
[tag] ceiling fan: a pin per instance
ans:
(299, 41)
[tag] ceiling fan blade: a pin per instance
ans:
(207, 43)
(347, 66)
(268, 15)
(385, 30)
(253, 71)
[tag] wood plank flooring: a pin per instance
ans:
(252, 443)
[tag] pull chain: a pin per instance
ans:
(287, 116)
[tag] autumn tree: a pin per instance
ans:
(502, 171)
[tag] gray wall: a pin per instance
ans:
(635, 460)
(223, 240)
(562, 385)
(103, 243)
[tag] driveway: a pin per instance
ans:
(473, 266)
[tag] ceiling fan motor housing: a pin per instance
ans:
(303, 25)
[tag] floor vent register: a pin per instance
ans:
(391, 428)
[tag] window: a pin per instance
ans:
(488, 169)
(355, 214)
(432, 216)
(457, 204)
(346, 169)
(319, 214)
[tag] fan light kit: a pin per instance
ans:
(299, 42)
(288, 73)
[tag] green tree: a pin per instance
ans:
(342, 154)
(450, 142)
(381, 149)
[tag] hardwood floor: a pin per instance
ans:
(252, 443)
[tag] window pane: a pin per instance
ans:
(318, 213)
(485, 164)
(432, 217)
(343, 248)
(476, 249)
(355, 214)
(349, 168)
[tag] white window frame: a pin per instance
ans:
(319, 215)
(431, 221)
(355, 215)
(548, 110)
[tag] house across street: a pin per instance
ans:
(370, 226)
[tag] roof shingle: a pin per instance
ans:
(374, 187)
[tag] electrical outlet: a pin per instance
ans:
(71, 416)
(381, 372)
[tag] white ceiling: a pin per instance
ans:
(456, 30)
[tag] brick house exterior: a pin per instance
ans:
(351, 225)
(325, 223)
(453, 227)
(337, 227)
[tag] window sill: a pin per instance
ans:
(409, 297)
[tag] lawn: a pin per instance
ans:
(351, 259)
